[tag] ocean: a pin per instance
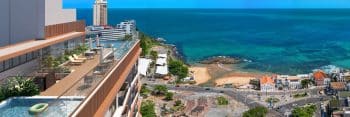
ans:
(284, 41)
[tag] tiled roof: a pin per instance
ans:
(267, 80)
(338, 85)
(319, 75)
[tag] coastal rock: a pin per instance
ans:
(221, 60)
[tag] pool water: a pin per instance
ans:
(18, 107)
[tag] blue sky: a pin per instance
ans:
(213, 3)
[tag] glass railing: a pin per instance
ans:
(93, 78)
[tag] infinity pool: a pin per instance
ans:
(18, 107)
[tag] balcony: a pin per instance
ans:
(96, 80)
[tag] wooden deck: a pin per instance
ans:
(69, 81)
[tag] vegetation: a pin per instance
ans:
(178, 68)
(273, 100)
(128, 37)
(147, 109)
(255, 83)
(299, 95)
(144, 91)
(154, 55)
(222, 100)
(305, 83)
(306, 111)
(169, 96)
(177, 103)
(256, 112)
(18, 86)
(160, 90)
(146, 43)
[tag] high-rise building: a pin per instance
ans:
(101, 81)
(100, 13)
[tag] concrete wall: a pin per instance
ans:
(4, 22)
(55, 14)
(21, 20)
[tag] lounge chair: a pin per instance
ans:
(75, 62)
(79, 58)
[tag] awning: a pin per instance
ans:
(162, 70)
(143, 66)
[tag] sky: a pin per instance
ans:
(212, 3)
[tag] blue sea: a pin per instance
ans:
(286, 41)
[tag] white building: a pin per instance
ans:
(115, 33)
(100, 13)
(128, 26)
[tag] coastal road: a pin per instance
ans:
(234, 94)
(241, 96)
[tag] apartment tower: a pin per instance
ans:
(100, 13)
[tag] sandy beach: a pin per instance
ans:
(201, 74)
(235, 80)
(219, 75)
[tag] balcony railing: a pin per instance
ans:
(59, 29)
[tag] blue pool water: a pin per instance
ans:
(282, 41)
(57, 108)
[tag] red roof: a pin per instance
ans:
(266, 80)
(320, 75)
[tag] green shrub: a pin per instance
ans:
(144, 91)
(160, 90)
(154, 55)
(307, 111)
(178, 68)
(222, 100)
(18, 86)
(169, 96)
(256, 112)
(177, 103)
(147, 109)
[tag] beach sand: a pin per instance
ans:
(201, 74)
(218, 75)
(235, 80)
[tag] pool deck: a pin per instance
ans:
(69, 81)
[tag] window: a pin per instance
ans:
(1, 66)
(29, 56)
(15, 62)
(7, 64)
(23, 59)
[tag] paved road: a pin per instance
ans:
(234, 94)
(241, 96)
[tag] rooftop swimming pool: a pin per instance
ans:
(19, 106)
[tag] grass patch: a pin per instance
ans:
(300, 95)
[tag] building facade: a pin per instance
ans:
(32, 29)
(100, 13)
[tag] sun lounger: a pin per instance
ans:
(75, 62)
(79, 58)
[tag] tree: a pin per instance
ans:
(169, 96)
(160, 90)
(255, 83)
(177, 103)
(154, 55)
(306, 111)
(256, 112)
(178, 68)
(147, 109)
(305, 83)
(222, 100)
